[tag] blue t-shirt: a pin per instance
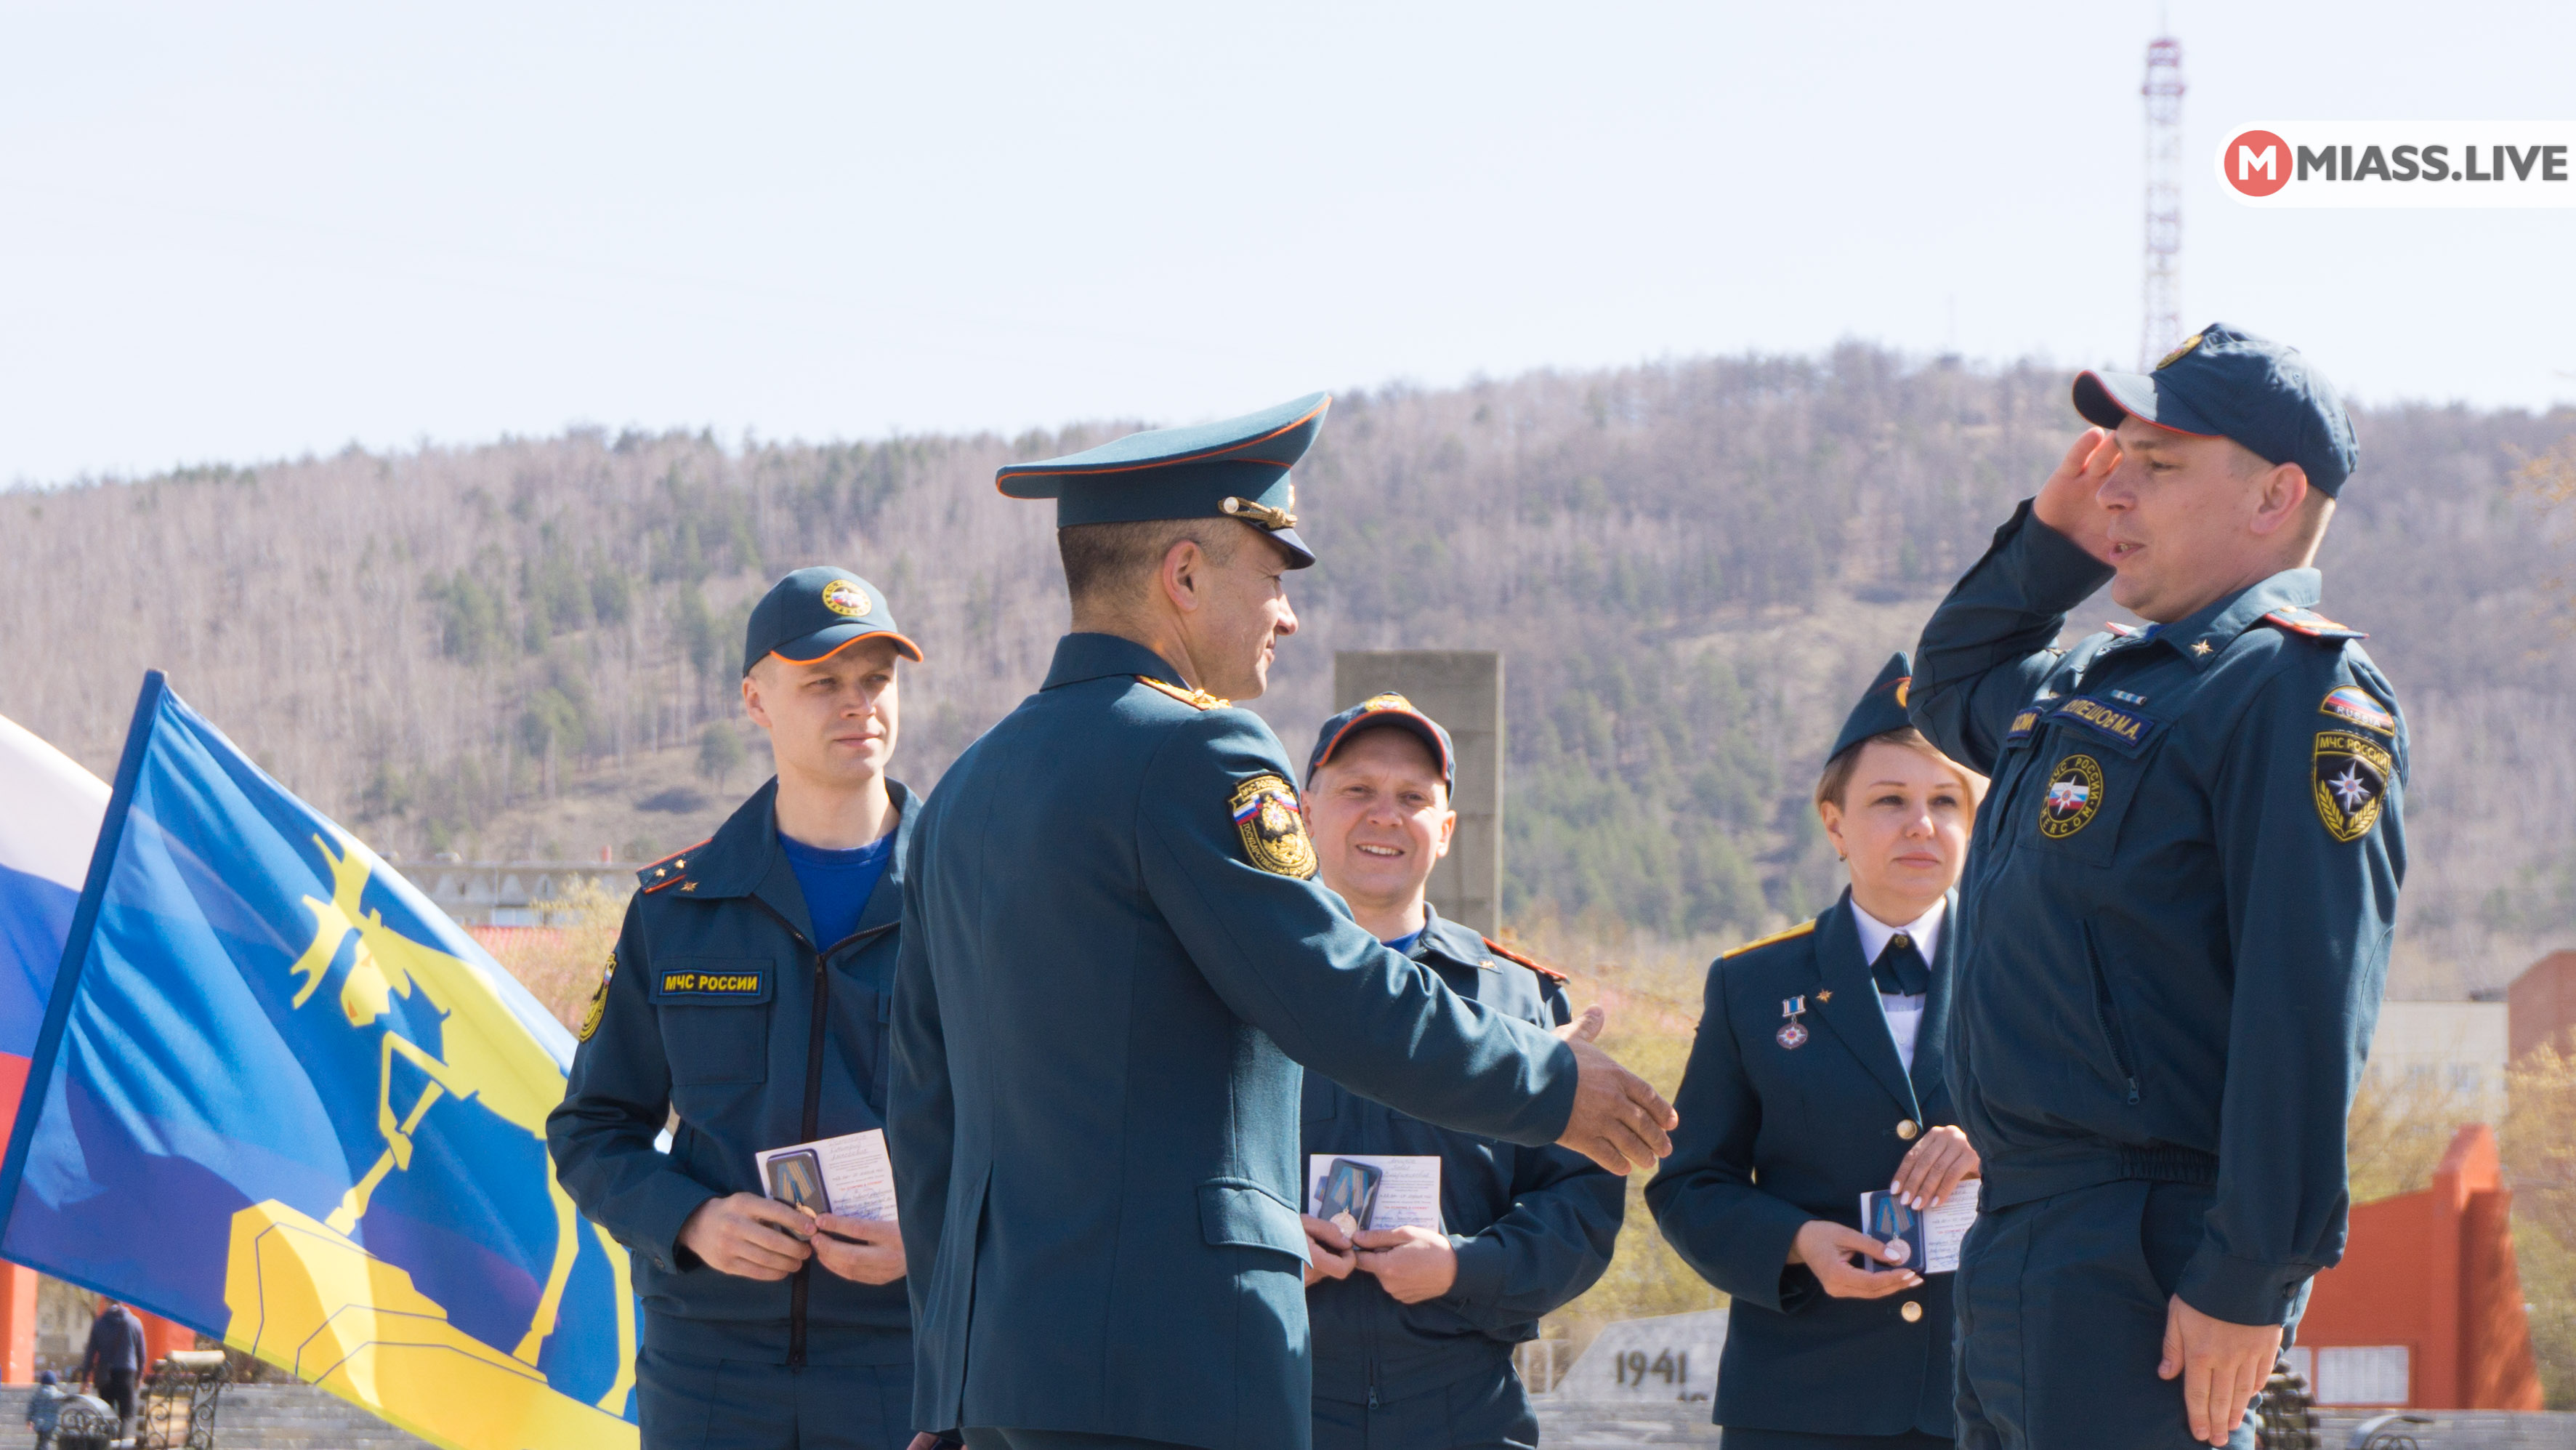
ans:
(1403, 946)
(837, 883)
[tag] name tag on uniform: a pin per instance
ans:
(741, 982)
(2119, 724)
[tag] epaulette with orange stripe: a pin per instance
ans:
(1801, 929)
(2312, 624)
(1507, 954)
(1195, 699)
(669, 871)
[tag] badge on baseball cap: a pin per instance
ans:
(1236, 469)
(1391, 710)
(2224, 383)
(817, 612)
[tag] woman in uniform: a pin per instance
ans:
(1816, 1078)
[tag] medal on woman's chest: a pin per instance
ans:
(1792, 1033)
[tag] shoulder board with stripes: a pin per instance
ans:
(668, 871)
(1195, 699)
(2312, 624)
(1801, 929)
(1507, 954)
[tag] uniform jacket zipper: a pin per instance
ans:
(815, 1039)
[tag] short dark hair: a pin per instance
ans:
(1102, 560)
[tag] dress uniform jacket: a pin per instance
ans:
(1773, 1136)
(1112, 966)
(2176, 915)
(1532, 1227)
(719, 1006)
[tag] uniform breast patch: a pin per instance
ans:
(599, 999)
(2353, 705)
(2022, 725)
(2351, 779)
(2074, 797)
(1274, 833)
(713, 982)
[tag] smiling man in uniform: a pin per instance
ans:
(2177, 911)
(1414, 1324)
(1116, 959)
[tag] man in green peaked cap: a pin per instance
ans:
(1116, 958)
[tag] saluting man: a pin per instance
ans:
(749, 994)
(2176, 918)
(1816, 1077)
(1414, 1325)
(1115, 958)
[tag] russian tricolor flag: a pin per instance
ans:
(50, 811)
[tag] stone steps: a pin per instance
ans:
(261, 1417)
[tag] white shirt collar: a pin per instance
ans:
(1925, 929)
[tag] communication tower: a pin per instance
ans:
(2162, 299)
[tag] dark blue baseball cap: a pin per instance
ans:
(1235, 469)
(1881, 707)
(817, 612)
(2223, 383)
(1391, 711)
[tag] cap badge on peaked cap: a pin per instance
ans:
(1236, 468)
(2169, 359)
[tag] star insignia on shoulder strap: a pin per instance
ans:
(669, 871)
(2202, 647)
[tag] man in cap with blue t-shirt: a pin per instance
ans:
(1115, 960)
(2176, 915)
(748, 995)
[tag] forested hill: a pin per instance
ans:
(517, 648)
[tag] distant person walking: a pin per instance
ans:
(2176, 919)
(114, 1358)
(45, 1409)
(1817, 1077)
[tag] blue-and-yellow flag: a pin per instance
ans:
(281, 1098)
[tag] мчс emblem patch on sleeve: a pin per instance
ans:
(1274, 834)
(2074, 797)
(599, 999)
(2351, 782)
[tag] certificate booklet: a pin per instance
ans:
(1931, 1235)
(849, 1175)
(1377, 1190)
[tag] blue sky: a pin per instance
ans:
(243, 232)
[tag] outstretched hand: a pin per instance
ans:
(2070, 502)
(1586, 1026)
(1619, 1120)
